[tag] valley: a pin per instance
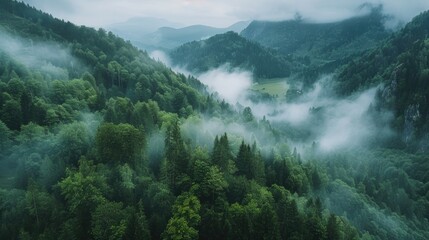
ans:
(312, 126)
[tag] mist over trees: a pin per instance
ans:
(99, 141)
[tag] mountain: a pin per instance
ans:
(401, 65)
(166, 38)
(230, 48)
(321, 43)
(99, 141)
(138, 27)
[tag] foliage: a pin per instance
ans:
(110, 146)
(400, 64)
(230, 48)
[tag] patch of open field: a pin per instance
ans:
(276, 87)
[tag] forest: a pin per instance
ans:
(237, 51)
(100, 141)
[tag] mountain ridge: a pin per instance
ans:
(321, 42)
(229, 48)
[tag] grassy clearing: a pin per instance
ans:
(276, 87)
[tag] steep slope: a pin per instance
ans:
(97, 140)
(230, 48)
(402, 65)
(116, 66)
(320, 43)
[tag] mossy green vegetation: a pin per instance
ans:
(99, 141)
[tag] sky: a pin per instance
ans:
(218, 13)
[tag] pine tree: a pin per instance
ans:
(221, 152)
(177, 160)
(333, 232)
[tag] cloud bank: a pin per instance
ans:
(219, 13)
(230, 85)
(47, 57)
(333, 123)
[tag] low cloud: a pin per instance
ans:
(48, 58)
(160, 56)
(333, 123)
(231, 85)
(220, 13)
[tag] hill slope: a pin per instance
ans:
(232, 49)
(320, 42)
(98, 141)
(401, 64)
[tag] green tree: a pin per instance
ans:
(185, 220)
(119, 110)
(239, 222)
(247, 114)
(177, 159)
(178, 228)
(266, 224)
(11, 114)
(121, 143)
(159, 201)
(332, 228)
(213, 184)
(243, 161)
(138, 227)
(74, 142)
(83, 189)
(109, 221)
(5, 140)
(222, 155)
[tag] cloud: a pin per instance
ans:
(219, 13)
(334, 123)
(161, 56)
(48, 57)
(231, 85)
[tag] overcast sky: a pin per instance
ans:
(219, 13)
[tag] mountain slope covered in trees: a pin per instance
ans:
(322, 41)
(321, 47)
(230, 48)
(401, 64)
(99, 141)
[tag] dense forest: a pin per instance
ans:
(201, 56)
(322, 47)
(400, 63)
(321, 41)
(99, 141)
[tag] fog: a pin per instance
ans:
(48, 58)
(232, 85)
(333, 123)
(161, 56)
(219, 13)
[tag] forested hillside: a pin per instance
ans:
(401, 64)
(321, 47)
(98, 141)
(320, 41)
(230, 48)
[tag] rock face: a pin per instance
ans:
(411, 115)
